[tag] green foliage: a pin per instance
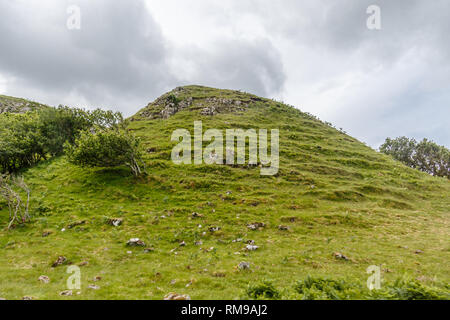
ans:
(20, 141)
(407, 289)
(263, 290)
(316, 288)
(173, 98)
(426, 155)
(322, 289)
(25, 139)
(106, 148)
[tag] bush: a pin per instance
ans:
(264, 290)
(401, 289)
(10, 189)
(25, 139)
(106, 148)
(324, 289)
(404, 289)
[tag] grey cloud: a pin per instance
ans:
(372, 83)
(119, 58)
(119, 53)
(253, 66)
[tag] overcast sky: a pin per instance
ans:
(318, 55)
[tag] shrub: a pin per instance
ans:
(264, 290)
(106, 148)
(10, 188)
(25, 139)
(324, 289)
(401, 289)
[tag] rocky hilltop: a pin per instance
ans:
(17, 105)
(207, 101)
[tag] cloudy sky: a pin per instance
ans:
(318, 55)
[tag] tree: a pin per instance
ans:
(10, 188)
(25, 139)
(426, 155)
(106, 148)
(63, 124)
(21, 144)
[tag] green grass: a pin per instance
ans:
(13, 104)
(334, 193)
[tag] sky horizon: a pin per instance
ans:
(320, 56)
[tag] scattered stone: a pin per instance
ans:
(44, 279)
(27, 298)
(84, 263)
(252, 242)
(244, 266)
(196, 215)
(176, 296)
(182, 244)
(228, 193)
(135, 242)
(256, 226)
(66, 293)
(115, 221)
(63, 229)
(46, 234)
(198, 243)
(78, 223)
(250, 247)
(283, 228)
(93, 287)
(237, 240)
(2, 299)
(214, 229)
(147, 250)
(97, 278)
(339, 255)
(61, 260)
(418, 251)
(290, 219)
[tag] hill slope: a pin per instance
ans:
(332, 193)
(18, 105)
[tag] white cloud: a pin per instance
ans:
(314, 54)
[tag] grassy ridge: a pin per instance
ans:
(18, 105)
(333, 193)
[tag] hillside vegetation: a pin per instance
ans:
(334, 208)
(18, 105)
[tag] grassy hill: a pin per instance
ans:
(18, 105)
(342, 207)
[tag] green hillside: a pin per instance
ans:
(18, 105)
(334, 208)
